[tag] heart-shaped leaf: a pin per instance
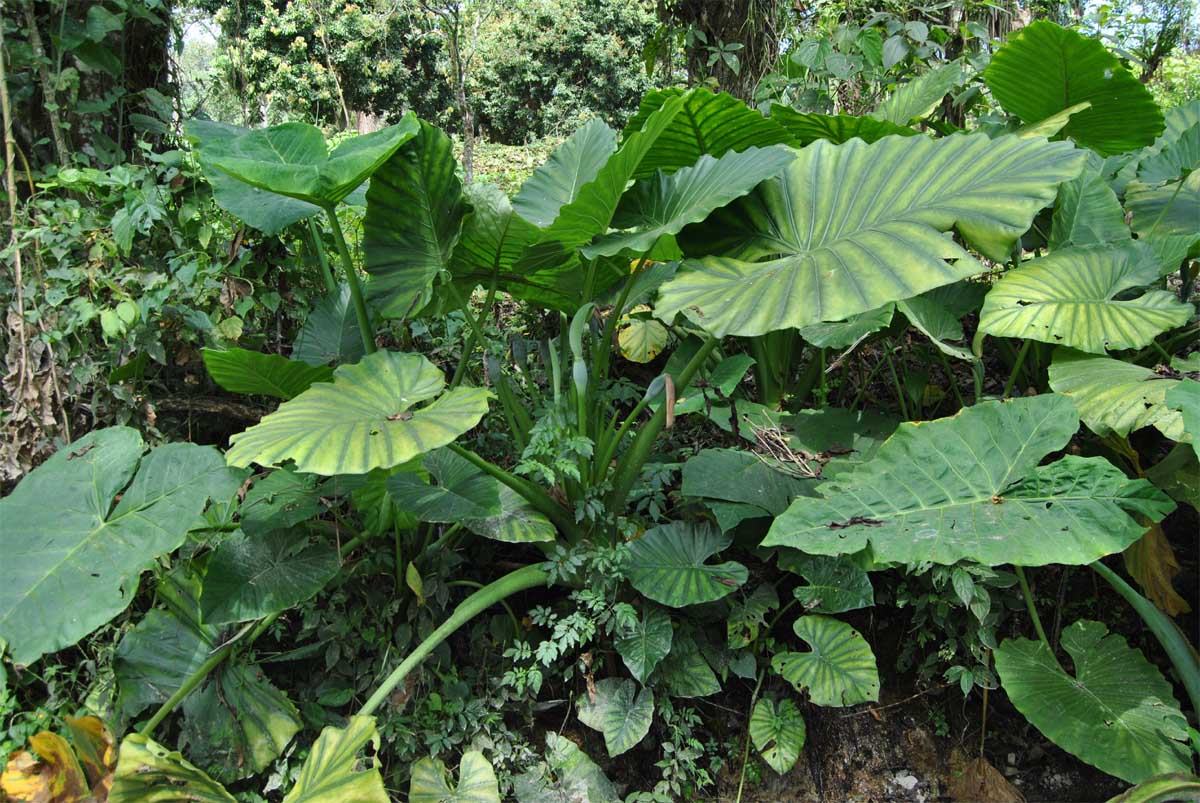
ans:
(969, 487)
(557, 181)
(1116, 712)
(667, 564)
(840, 668)
(430, 781)
(73, 552)
(647, 643)
(1045, 68)
(250, 577)
(365, 419)
(619, 711)
(1070, 298)
(778, 733)
(835, 585)
(849, 228)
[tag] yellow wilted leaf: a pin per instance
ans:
(96, 751)
(56, 778)
(1152, 563)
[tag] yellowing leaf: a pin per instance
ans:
(1152, 563)
(56, 778)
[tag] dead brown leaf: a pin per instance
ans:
(1154, 566)
(977, 781)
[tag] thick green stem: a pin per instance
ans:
(477, 335)
(356, 294)
(1182, 655)
(1032, 608)
(1016, 369)
(629, 467)
(508, 585)
(532, 494)
(326, 273)
(202, 671)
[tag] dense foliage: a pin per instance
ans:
(337, 475)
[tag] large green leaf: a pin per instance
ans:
(708, 123)
(557, 181)
(1166, 209)
(1115, 397)
(293, 160)
(835, 585)
(839, 670)
(71, 556)
(281, 499)
(667, 564)
(1185, 397)
(252, 576)
(647, 643)
(1176, 158)
(333, 773)
(430, 782)
(663, 204)
(1078, 297)
(591, 213)
(849, 228)
(618, 710)
(920, 96)
(415, 213)
(517, 522)
(257, 208)
(459, 491)
(1044, 69)
(839, 438)
(840, 334)
(807, 128)
(778, 733)
(1116, 712)
(685, 672)
(739, 476)
(969, 488)
(1087, 212)
(567, 775)
(330, 332)
(147, 772)
(251, 372)
(494, 239)
(236, 723)
(364, 419)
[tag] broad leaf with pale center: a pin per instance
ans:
(969, 488)
(147, 772)
(849, 228)
(1076, 298)
(366, 418)
(430, 781)
(334, 772)
(838, 671)
(619, 710)
(778, 733)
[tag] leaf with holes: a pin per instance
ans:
(849, 228)
(969, 488)
(1079, 297)
(253, 373)
(1044, 69)
(147, 772)
(365, 419)
(281, 499)
(647, 643)
(430, 782)
(1116, 712)
(334, 773)
(835, 585)
(619, 711)
(838, 671)
(1115, 397)
(80, 529)
(668, 564)
(249, 577)
(778, 733)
